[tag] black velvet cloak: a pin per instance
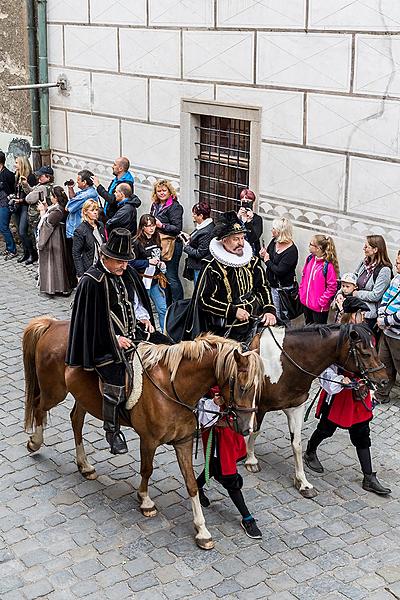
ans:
(92, 335)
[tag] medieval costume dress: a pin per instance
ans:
(54, 275)
(227, 282)
(223, 447)
(348, 406)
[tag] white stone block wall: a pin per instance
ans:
(326, 75)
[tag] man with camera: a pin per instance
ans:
(252, 222)
(121, 174)
(76, 200)
(7, 187)
(41, 192)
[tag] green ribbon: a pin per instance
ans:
(208, 456)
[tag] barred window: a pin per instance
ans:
(223, 161)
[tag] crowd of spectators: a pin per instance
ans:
(64, 233)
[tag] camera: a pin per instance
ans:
(70, 182)
(247, 205)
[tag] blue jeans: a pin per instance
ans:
(173, 272)
(157, 294)
(196, 273)
(5, 217)
(21, 217)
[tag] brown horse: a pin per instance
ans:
(292, 360)
(174, 379)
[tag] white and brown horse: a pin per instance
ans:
(292, 359)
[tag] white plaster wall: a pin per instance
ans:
(326, 76)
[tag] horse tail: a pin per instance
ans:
(32, 334)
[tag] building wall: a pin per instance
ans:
(324, 74)
(15, 123)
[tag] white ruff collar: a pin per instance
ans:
(227, 258)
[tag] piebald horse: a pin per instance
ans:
(292, 359)
(174, 379)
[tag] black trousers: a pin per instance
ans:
(313, 317)
(114, 374)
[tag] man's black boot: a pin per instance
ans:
(204, 501)
(113, 395)
(371, 484)
(24, 257)
(312, 461)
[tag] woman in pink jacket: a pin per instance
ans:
(318, 284)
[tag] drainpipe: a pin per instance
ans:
(32, 72)
(43, 78)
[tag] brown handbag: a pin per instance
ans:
(167, 246)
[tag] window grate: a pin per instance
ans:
(223, 159)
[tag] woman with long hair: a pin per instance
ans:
(88, 238)
(373, 276)
(168, 213)
(197, 246)
(147, 248)
(280, 258)
(54, 273)
(23, 173)
(318, 284)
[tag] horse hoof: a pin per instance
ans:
(207, 544)
(89, 474)
(253, 468)
(309, 493)
(31, 447)
(149, 512)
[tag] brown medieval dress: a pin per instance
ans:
(55, 275)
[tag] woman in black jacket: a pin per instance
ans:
(23, 172)
(280, 257)
(88, 238)
(197, 246)
(168, 213)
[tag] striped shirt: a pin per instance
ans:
(389, 309)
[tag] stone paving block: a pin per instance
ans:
(87, 568)
(39, 589)
(143, 582)
(251, 577)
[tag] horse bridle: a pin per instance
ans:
(353, 351)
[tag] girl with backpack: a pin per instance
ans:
(373, 276)
(318, 284)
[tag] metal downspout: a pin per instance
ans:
(32, 73)
(43, 78)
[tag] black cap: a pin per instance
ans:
(119, 245)
(228, 224)
(45, 170)
(352, 304)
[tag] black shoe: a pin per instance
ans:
(117, 442)
(23, 258)
(204, 501)
(371, 484)
(312, 461)
(251, 529)
(32, 259)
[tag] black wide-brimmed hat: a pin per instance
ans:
(228, 224)
(119, 245)
(352, 304)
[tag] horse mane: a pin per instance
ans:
(344, 331)
(225, 364)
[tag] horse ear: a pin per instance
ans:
(241, 360)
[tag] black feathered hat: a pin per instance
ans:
(352, 304)
(227, 224)
(119, 245)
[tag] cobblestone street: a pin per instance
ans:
(64, 538)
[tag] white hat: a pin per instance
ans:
(349, 278)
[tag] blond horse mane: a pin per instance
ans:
(225, 364)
